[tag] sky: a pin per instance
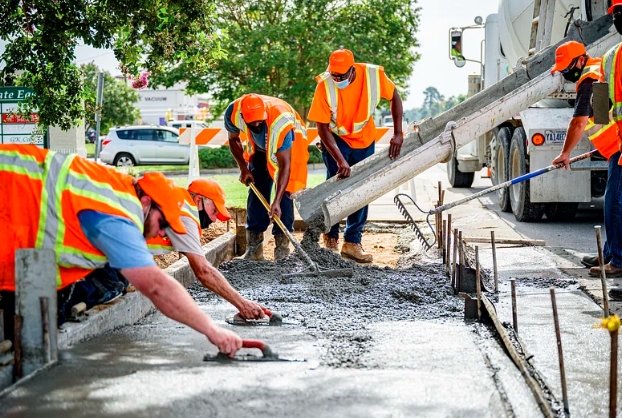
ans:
(434, 68)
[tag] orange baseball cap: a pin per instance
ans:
(566, 53)
(614, 3)
(211, 190)
(253, 108)
(164, 193)
(340, 61)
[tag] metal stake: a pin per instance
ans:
(603, 275)
(460, 261)
(448, 243)
(444, 252)
(514, 315)
(45, 328)
(613, 375)
(478, 286)
(560, 352)
(494, 261)
(454, 260)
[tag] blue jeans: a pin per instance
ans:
(613, 212)
(257, 217)
(356, 221)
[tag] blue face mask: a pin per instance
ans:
(342, 84)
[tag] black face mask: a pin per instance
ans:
(617, 21)
(258, 128)
(205, 219)
(573, 75)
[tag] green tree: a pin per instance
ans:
(277, 47)
(146, 35)
(119, 100)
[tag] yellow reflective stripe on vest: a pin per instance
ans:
(71, 257)
(609, 65)
(372, 78)
(239, 123)
(279, 124)
(18, 163)
(589, 71)
(191, 211)
(159, 249)
(592, 130)
(332, 97)
(50, 210)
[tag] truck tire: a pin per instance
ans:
(522, 208)
(456, 177)
(500, 166)
(123, 159)
(560, 211)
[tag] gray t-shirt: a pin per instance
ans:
(190, 242)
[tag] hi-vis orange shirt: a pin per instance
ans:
(42, 193)
(350, 111)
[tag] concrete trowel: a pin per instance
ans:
(271, 319)
(266, 351)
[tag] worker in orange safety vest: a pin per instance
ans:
(89, 214)
(343, 106)
(268, 140)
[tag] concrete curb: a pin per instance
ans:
(132, 307)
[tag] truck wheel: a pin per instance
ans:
(560, 211)
(124, 159)
(456, 177)
(523, 209)
(500, 167)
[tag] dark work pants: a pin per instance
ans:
(257, 217)
(613, 212)
(356, 221)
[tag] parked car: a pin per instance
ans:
(144, 144)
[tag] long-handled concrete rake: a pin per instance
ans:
(314, 269)
(499, 186)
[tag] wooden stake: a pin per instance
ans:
(448, 243)
(460, 262)
(514, 314)
(613, 375)
(603, 275)
(443, 250)
(478, 286)
(442, 197)
(45, 328)
(454, 259)
(560, 353)
(440, 191)
(494, 261)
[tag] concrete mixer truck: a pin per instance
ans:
(533, 137)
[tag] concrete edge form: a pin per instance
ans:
(134, 306)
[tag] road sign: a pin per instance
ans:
(16, 128)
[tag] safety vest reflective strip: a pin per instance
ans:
(609, 65)
(603, 137)
(239, 123)
(282, 122)
(191, 211)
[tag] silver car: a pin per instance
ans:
(136, 145)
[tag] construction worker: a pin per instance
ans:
(274, 150)
(343, 107)
(89, 214)
(204, 203)
(575, 65)
(611, 71)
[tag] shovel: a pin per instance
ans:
(266, 351)
(314, 269)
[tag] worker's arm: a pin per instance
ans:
(329, 143)
(574, 134)
(284, 159)
(237, 150)
(212, 279)
(170, 297)
(397, 112)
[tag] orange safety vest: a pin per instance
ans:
(609, 73)
(281, 119)
(42, 194)
(161, 245)
(603, 137)
(371, 92)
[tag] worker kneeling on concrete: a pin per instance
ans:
(204, 203)
(268, 140)
(89, 214)
(343, 107)
(575, 65)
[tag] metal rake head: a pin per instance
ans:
(418, 233)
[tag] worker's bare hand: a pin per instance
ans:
(275, 209)
(343, 170)
(396, 145)
(562, 158)
(228, 342)
(246, 177)
(251, 310)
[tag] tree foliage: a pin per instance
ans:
(434, 103)
(277, 47)
(119, 100)
(154, 35)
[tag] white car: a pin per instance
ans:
(143, 144)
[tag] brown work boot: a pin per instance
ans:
(331, 243)
(281, 247)
(254, 247)
(610, 271)
(356, 252)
